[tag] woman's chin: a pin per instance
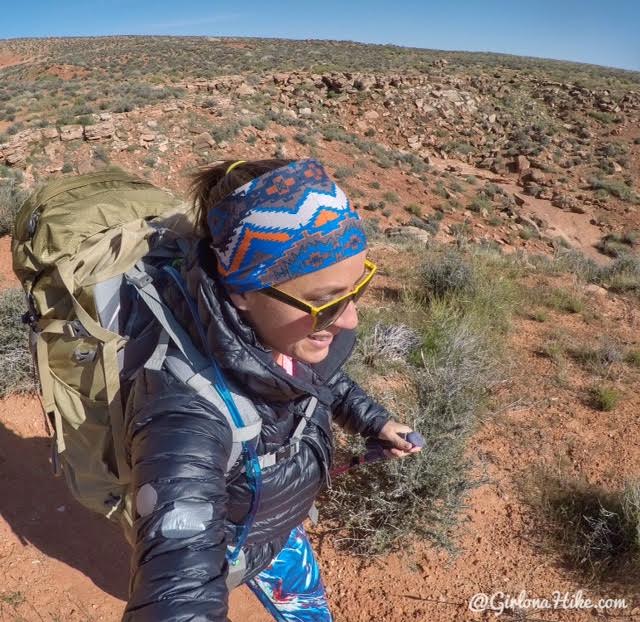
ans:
(312, 354)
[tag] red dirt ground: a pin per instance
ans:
(60, 562)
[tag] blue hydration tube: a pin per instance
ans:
(252, 464)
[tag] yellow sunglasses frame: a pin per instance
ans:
(278, 294)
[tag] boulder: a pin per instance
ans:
(409, 231)
(71, 132)
(364, 83)
(104, 129)
(522, 164)
(15, 155)
(204, 141)
(50, 133)
(245, 90)
(564, 201)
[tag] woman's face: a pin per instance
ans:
(286, 329)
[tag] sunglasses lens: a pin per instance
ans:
(328, 316)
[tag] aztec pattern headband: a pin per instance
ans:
(283, 224)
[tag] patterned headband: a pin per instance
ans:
(283, 224)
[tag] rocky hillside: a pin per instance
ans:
(517, 152)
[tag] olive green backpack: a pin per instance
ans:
(74, 240)
(90, 252)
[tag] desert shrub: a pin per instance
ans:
(259, 123)
(371, 228)
(632, 357)
(603, 117)
(334, 132)
(15, 358)
(616, 188)
(604, 397)
(449, 349)
(11, 198)
(391, 196)
(123, 105)
(305, 139)
(387, 342)
(595, 530)
(451, 275)
(597, 358)
(571, 260)
(226, 132)
(342, 172)
(459, 147)
(614, 244)
(414, 208)
(622, 274)
(481, 203)
(561, 299)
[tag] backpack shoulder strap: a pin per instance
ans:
(185, 362)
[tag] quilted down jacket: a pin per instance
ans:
(179, 444)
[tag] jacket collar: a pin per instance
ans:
(236, 346)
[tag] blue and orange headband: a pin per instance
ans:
(288, 222)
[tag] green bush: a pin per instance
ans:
(616, 245)
(562, 300)
(11, 198)
(15, 359)
(452, 275)
(342, 172)
(595, 530)
(391, 196)
(632, 357)
(603, 397)
(451, 369)
(414, 208)
(622, 275)
(616, 188)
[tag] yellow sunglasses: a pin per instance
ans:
(328, 313)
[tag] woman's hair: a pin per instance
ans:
(211, 184)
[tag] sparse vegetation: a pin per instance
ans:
(447, 341)
(594, 530)
(14, 351)
(616, 188)
(11, 198)
(604, 397)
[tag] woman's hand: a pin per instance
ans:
(401, 447)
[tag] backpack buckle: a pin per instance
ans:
(74, 328)
(287, 451)
(139, 278)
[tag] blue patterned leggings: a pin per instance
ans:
(291, 587)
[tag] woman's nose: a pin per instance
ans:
(348, 318)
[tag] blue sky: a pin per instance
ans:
(591, 31)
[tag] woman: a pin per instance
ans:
(278, 240)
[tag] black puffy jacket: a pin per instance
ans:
(179, 444)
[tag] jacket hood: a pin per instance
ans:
(235, 344)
